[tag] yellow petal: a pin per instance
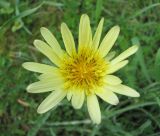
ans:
(112, 80)
(46, 76)
(97, 36)
(68, 39)
(124, 90)
(109, 40)
(115, 67)
(44, 86)
(55, 75)
(108, 96)
(47, 51)
(125, 54)
(85, 34)
(69, 95)
(51, 40)
(51, 101)
(78, 99)
(110, 55)
(38, 67)
(94, 109)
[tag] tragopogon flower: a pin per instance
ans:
(82, 73)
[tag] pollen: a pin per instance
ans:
(84, 71)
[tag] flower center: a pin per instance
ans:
(85, 71)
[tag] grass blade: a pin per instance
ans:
(21, 15)
(38, 124)
(140, 58)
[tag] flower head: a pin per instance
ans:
(82, 73)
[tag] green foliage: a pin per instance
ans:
(157, 66)
(20, 22)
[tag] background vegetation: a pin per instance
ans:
(20, 21)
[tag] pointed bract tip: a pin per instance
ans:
(39, 111)
(116, 102)
(35, 42)
(63, 25)
(24, 65)
(43, 29)
(102, 19)
(136, 94)
(136, 47)
(117, 27)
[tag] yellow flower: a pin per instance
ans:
(82, 73)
